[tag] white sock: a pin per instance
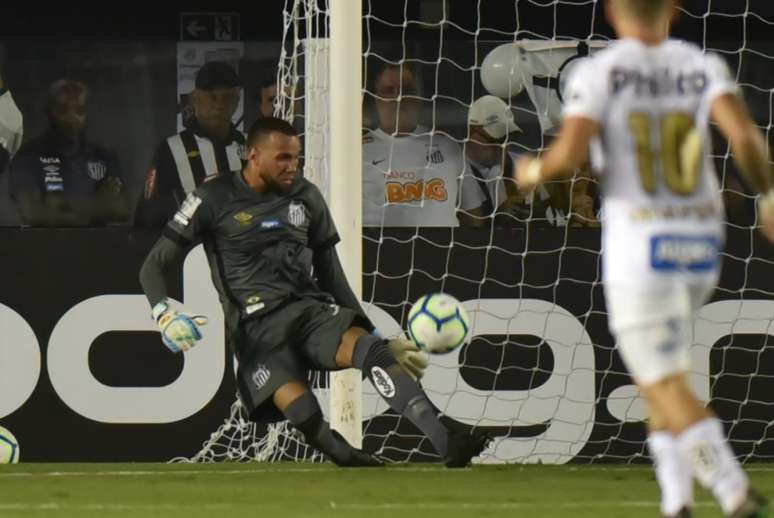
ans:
(704, 445)
(673, 474)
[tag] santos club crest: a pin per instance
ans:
(296, 213)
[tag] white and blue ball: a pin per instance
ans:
(9, 447)
(438, 323)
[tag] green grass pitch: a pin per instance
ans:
(322, 490)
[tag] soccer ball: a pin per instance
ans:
(501, 71)
(438, 323)
(9, 447)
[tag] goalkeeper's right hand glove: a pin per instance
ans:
(179, 331)
(409, 356)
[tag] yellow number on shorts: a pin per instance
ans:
(681, 151)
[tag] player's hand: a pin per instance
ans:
(766, 215)
(409, 356)
(179, 331)
(527, 173)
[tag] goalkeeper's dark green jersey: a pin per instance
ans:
(261, 246)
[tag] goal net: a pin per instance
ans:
(541, 372)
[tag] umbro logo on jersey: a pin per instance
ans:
(243, 218)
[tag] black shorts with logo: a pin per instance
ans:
(284, 345)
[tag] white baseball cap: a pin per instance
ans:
(493, 115)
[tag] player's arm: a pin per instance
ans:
(751, 153)
(332, 279)
(179, 330)
(747, 141)
(568, 152)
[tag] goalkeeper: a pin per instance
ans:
(265, 230)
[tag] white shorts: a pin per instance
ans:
(653, 327)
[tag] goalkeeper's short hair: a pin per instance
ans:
(646, 10)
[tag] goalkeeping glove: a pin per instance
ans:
(409, 356)
(179, 331)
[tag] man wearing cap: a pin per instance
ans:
(410, 175)
(208, 146)
(487, 195)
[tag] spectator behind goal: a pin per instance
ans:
(209, 146)
(410, 175)
(62, 179)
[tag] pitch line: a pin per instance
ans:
(327, 469)
(397, 506)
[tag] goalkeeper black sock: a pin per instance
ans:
(304, 413)
(399, 390)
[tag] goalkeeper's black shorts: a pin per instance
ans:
(284, 345)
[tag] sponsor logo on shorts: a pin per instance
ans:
(692, 253)
(383, 382)
(261, 376)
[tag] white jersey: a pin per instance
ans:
(662, 210)
(410, 181)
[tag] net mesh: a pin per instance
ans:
(541, 372)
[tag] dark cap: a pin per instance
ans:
(216, 74)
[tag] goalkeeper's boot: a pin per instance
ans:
(355, 458)
(360, 459)
(685, 512)
(754, 506)
(463, 447)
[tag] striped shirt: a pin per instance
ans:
(181, 163)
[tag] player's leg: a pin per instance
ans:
(300, 407)
(370, 354)
(675, 479)
(652, 352)
(658, 358)
(269, 380)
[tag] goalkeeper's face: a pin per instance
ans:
(275, 159)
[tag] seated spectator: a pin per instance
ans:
(489, 195)
(410, 176)
(209, 146)
(61, 179)
(572, 202)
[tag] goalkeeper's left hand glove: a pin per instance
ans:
(409, 356)
(179, 331)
